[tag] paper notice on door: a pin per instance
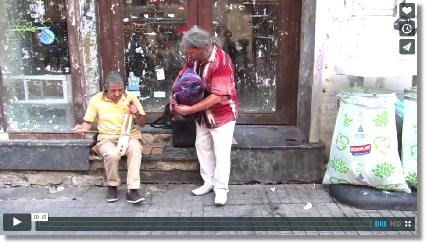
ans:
(160, 75)
(159, 94)
(136, 93)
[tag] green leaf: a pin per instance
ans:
(347, 120)
(339, 165)
(381, 120)
(384, 170)
(411, 179)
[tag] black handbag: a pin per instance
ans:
(183, 128)
(184, 131)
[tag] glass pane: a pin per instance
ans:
(152, 33)
(248, 31)
(35, 66)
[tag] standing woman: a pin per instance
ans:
(217, 111)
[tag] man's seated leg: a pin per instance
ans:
(111, 158)
(134, 159)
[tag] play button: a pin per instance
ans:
(16, 222)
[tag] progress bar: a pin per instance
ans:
(227, 224)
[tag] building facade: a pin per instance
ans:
(55, 53)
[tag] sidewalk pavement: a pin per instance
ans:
(176, 200)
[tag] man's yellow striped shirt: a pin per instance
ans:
(110, 116)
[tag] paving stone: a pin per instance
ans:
(175, 200)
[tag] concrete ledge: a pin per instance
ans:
(167, 154)
(173, 154)
(302, 163)
(363, 197)
(25, 154)
(274, 154)
(265, 154)
(261, 136)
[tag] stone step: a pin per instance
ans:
(266, 154)
(167, 154)
(173, 165)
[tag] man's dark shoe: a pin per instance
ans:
(112, 194)
(133, 196)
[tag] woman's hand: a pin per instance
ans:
(172, 101)
(183, 110)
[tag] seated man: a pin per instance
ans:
(108, 109)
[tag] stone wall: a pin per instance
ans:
(51, 178)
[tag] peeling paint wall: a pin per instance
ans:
(356, 45)
(83, 14)
(88, 11)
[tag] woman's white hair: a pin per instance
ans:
(196, 38)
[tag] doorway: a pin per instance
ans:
(140, 38)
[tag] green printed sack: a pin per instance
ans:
(364, 145)
(410, 138)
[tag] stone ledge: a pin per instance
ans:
(23, 154)
(52, 178)
(279, 165)
(168, 154)
(47, 143)
(265, 154)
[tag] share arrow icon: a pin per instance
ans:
(407, 47)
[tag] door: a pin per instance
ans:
(140, 38)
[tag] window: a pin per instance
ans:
(152, 31)
(36, 86)
(249, 34)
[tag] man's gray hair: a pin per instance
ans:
(196, 38)
(113, 77)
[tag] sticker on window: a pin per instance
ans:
(136, 93)
(47, 36)
(159, 94)
(160, 75)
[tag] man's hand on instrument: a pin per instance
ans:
(133, 108)
(79, 129)
(82, 128)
